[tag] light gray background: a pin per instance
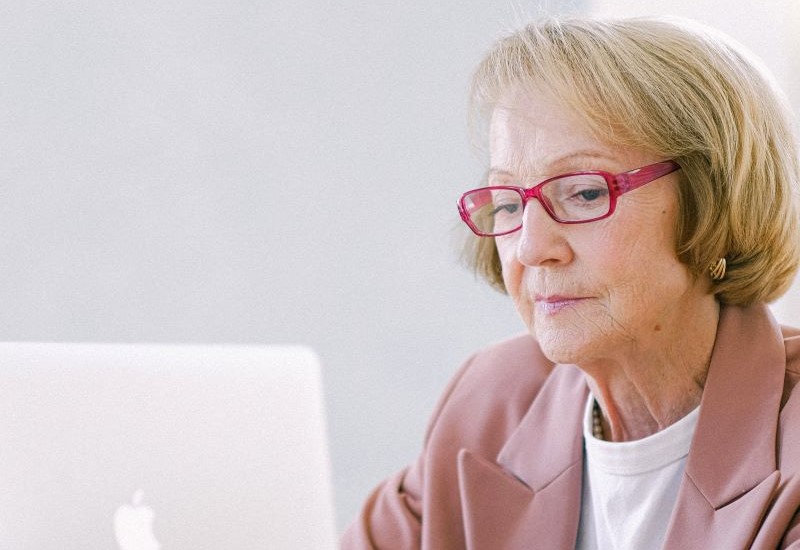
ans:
(242, 171)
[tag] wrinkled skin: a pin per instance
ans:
(610, 296)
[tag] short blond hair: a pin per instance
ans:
(685, 92)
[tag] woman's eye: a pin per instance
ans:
(509, 208)
(590, 194)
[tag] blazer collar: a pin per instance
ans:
(731, 471)
(551, 431)
(530, 497)
(739, 409)
(533, 490)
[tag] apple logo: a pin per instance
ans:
(133, 525)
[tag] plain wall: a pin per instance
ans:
(243, 171)
(269, 172)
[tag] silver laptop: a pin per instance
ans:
(147, 447)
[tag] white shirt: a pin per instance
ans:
(630, 488)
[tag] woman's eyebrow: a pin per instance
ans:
(592, 154)
(494, 171)
(557, 164)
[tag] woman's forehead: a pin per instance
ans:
(538, 141)
(534, 133)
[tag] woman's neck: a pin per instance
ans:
(652, 385)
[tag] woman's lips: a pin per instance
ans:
(550, 305)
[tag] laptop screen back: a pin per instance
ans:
(141, 447)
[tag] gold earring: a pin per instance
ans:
(717, 269)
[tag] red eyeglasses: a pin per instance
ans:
(576, 197)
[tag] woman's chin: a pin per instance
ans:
(562, 356)
(564, 346)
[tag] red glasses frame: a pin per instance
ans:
(618, 184)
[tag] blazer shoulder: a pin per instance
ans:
(791, 341)
(510, 372)
(789, 418)
(490, 394)
(518, 359)
(791, 389)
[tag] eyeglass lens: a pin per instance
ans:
(573, 198)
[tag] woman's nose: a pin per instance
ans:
(542, 240)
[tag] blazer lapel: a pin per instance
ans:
(731, 471)
(530, 497)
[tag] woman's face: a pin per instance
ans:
(588, 291)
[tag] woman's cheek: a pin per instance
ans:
(512, 278)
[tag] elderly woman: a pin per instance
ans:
(640, 211)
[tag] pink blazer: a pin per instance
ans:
(502, 464)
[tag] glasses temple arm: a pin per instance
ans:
(628, 181)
